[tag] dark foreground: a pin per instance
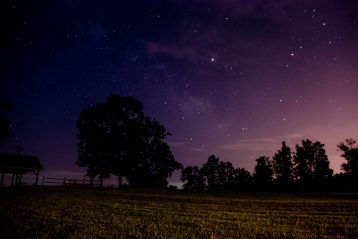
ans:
(79, 213)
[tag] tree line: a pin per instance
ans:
(116, 138)
(305, 170)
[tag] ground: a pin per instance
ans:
(128, 213)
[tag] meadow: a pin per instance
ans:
(128, 213)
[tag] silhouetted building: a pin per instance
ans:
(18, 165)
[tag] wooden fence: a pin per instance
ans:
(46, 181)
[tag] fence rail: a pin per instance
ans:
(47, 181)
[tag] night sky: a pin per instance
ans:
(231, 78)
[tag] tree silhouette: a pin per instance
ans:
(192, 178)
(283, 166)
(349, 150)
(5, 107)
(216, 175)
(263, 173)
(116, 137)
(94, 142)
(350, 153)
(210, 172)
(243, 179)
(311, 165)
(151, 161)
(226, 176)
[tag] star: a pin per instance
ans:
(212, 75)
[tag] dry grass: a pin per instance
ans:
(60, 213)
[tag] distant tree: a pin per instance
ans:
(192, 178)
(263, 173)
(283, 166)
(349, 150)
(226, 176)
(116, 137)
(311, 165)
(243, 179)
(210, 172)
(350, 153)
(216, 175)
(5, 107)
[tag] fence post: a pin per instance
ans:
(43, 179)
(64, 181)
(12, 180)
(2, 179)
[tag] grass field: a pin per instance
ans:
(80, 213)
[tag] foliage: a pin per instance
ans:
(308, 170)
(216, 175)
(226, 176)
(311, 165)
(193, 179)
(283, 166)
(151, 161)
(210, 172)
(350, 153)
(116, 137)
(263, 173)
(243, 180)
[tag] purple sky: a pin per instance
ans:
(231, 78)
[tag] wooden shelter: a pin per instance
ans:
(18, 165)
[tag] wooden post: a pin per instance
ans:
(64, 181)
(91, 181)
(12, 180)
(37, 177)
(83, 181)
(100, 181)
(2, 179)
(119, 181)
(20, 178)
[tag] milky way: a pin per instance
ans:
(231, 78)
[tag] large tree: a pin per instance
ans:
(311, 165)
(116, 137)
(283, 166)
(150, 160)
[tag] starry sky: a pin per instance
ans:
(231, 78)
